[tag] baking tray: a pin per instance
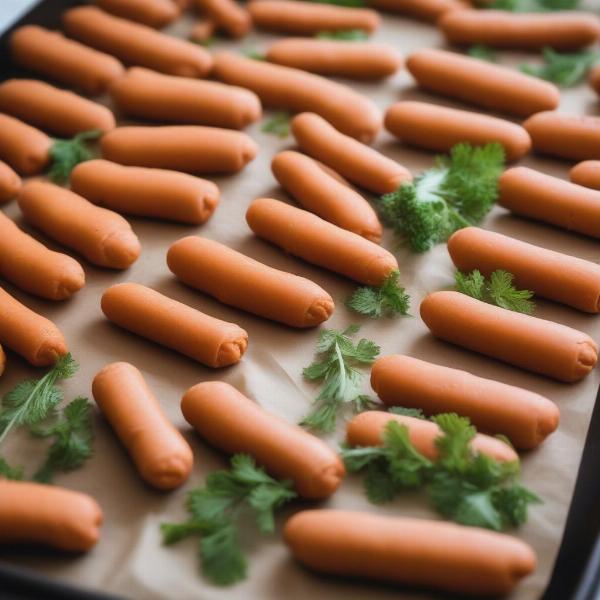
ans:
(576, 573)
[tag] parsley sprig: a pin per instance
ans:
(564, 69)
(67, 154)
(462, 485)
(529, 5)
(342, 381)
(498, 290)
(483, 52)
(388, 299)
(31, 404)
(459, 191)
(215, 509)
(278, 124)
(350, 35)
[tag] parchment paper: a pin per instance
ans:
(129, 559)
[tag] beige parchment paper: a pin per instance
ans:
(130, 560)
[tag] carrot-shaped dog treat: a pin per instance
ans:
(2, 360)
(520, 31)
(298, 91)
(311, 238)
(146, 192)
(482, 83)
(594, 79)
(559, 277)
(58, 111)
(63, 60)
(136, 44)
(427, 10)
(357, 162)
(586, 173)
(566, 136)
(100, 235)
(10, 183)
(411, 552)
(319, 192)
(148, 313)
(245, 283)
(336, 58)
(535, 195)
(158, 97)
(34, 337)
(367, 428)
(534, 344)
(524, 417)
(161, 455)
(439, 128)
(154, 13)
(25, 148)
(35, 513)
(192, 149)
(301, 18)
(230, 421)
(32, 267)
(227, 15)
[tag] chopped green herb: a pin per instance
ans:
(564, 69)
(278, 125)
(459, 191)
(9, 472)
(214, 512)
(483, 53)
(67, 154)
(389, 299)
(417, 413)
(254, 54)
(529, 5)
(336, 368)
(350, 35)
(499, 290)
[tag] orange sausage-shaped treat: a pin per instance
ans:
(161, 455)
(154, 13)
(245, 283)
(34, 337)
(2, 360)
(148, 313)
(538, 196)
(336, 57)
(189, 148)
(227, 15)
(302, 18)
(355, 161)
(559, 277)
(411, 552)
(146, 192)
(32, 267)
(594, 79)
(63, 60)
(25, 148)
(34, 513)
(427, 10)
(586, 173)
(524, 417)
(10, 183)
(230, 421)
(136, 44)
(573, 137)
(482, 83)
(318, 242)
(100, 235)
(520, 31)
(157, 97)
(292, 89)
(439, 128)
(58, 111)
(367, 428)
(534, 344)
(319, 192)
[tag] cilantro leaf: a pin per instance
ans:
(499, 290)
(278, 125)
(483, 52)
(67, 154)
(459, 191)
(564, 69)
(351, 35)
(9, 472)
(388, 299)
(215, 508)
(417, 413)
(337, 370)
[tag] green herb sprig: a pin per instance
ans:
(529, 5)
(342, 381)
(459, 191)
(278, 124)
(461, 484)
(498, 290)
(564, 69)
(350, 35)
(67, 154)
(389, 299)
(216, 508)
(483, 52)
